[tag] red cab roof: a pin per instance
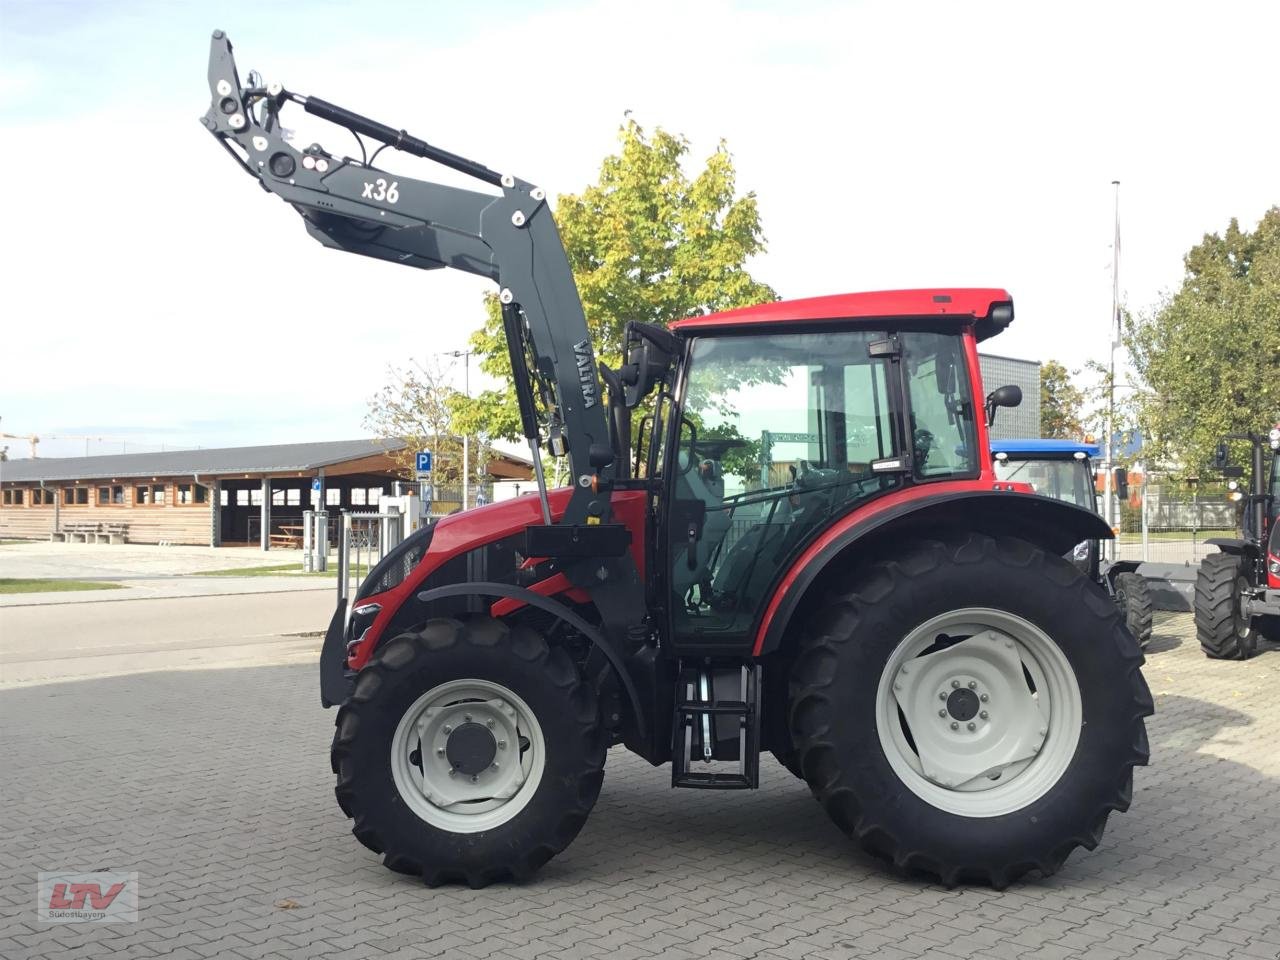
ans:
(964, 304)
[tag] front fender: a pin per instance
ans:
(865, 534)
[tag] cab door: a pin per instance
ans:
(775, 434)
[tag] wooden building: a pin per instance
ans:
(207, 497)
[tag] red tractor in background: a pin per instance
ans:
(1237, 597)
(801, 548)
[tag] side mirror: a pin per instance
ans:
(648, 353)
(1006, 396)
(1122, 483)
(1220, 456)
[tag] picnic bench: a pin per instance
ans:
(289, 537)
(76, 533)
(91, 533)
(112, 532)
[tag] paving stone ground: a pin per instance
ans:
(214, 786)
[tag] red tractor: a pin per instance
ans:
(800, 548)
(1237, 597)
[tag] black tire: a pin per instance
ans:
(413, 663)
(1222, 632)
(833, 717)
(1133, 596)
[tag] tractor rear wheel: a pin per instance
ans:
(971, 709)
(1134, 599)
(1224, 634)
(468, 752)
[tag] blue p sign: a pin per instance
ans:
(424, 462)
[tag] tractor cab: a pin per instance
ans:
(781, 429)
(1063, 470)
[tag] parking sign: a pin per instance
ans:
(424, 461)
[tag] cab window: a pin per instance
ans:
(778, 434)
(943, 430)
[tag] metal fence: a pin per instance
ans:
(1168, 521)
(365, 538)
(446, 500)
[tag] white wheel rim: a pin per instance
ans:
(978, 765)
(461, 803)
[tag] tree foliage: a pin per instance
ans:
(1061, 402)
(416, 407)
(646, 242)
(1210, 353)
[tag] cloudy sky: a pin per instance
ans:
(154, 295)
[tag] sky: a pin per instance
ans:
(154, 296)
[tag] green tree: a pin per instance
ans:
(646, 242)
(1060, 402)
(1210, 353)
(415, 407)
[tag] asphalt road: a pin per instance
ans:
(76, 641)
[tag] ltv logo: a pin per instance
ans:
(101, 897)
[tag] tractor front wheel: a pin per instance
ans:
(1223, 631)
(1133, 596)
(468, 752)
(972, 710)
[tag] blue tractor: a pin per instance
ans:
(1063, 469)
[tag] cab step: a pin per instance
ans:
(717, 718)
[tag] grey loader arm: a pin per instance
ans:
(510, 238)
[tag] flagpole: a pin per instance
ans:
(1108, 433)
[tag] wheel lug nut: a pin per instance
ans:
(466, 718)
(973, 684)
(439, 751)
(972, 725)
(490, 724)
(984, 698)
(955, 684)
(954, 725)
(446, 730)
(475, 778)
(984, 715)
(453, 771)
(942, 695)
(495, 766)
(502, 744)
(942, 713)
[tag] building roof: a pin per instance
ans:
(1060, 447)
(963, 305)
(276, 458)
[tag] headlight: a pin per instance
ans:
(1081, 551)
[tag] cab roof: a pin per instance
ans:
(1033, 447)
(963, 306)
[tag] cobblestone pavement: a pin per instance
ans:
(214, 786)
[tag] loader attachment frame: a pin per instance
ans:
(510, 238)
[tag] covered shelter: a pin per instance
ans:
(232, 495)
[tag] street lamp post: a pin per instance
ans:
(466, 440)
(1109, 431)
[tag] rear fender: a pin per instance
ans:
(1234, 546)
(865, 535)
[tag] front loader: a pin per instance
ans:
(799, 547)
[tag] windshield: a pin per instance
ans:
(1068, 480)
